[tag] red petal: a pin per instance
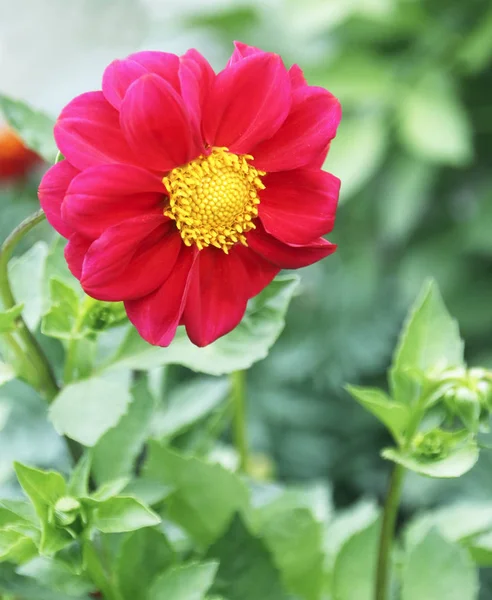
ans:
(242, 51)
(297, 78)
(156, 125)
(88, 133)
(131, 259)
(52, 191)
(217, 296)
(288, 256)
(118, 77)
(196, 77)
(157, 315)
(308, 129)
(164, 64)
(260, 271)
(75, 252)
(299, 206)
(248, 103)
(103, 196)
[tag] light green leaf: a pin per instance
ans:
(294, 538)
(57, 576)
(115, 453)
(245, 345)
(394, 416)
(458, 461)
(8, 318)
(16, 547)
(86, 409)
(355, 566)
(433, 122)
(7, 373)
(120, 514)
(246, 568)
(481, 549)
(185, 582)
(79, 479)
(436, 568)
(205, 497)
(26, 274)
(188, 403)
(144, 554)
(430, 341)
(16, 511)
(34, 127)
(43, 488)
(60, 321)
(110, 488)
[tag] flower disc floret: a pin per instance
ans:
(214, 199)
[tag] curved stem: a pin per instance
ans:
(44, 379)
(387, 532)
(238, 379)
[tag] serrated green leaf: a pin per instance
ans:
(355, 566)
(115, 453)
(143, 555)
(188, 403)
(246, 568)
(394, 416)
(9, 317)
(436, 568)
(205, 497)
(120, 514)
(34, 127)
(456, 463)
(245, 345)
(185, 582)
(87, 409)
(433, 106)
(430, 341)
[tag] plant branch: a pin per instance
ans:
(238, 380)
(387, 532)
(41, 374)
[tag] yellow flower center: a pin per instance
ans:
(214, 199)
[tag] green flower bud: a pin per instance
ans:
(432, 445)
(68, 513)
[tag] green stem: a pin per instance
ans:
(42, 376)
(238, 380)
(387, 532)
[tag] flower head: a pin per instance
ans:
(184, 192)
(15, 159)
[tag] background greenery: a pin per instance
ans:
(414, 155)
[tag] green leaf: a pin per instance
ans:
(26, 274)
(355, 566)
(185, 582)
(86, 409)
(120, 514)
(238, 350)
(61, 319)
(188, 403)
(44, 488)
(143, 555)
(79, 479)
(16, 547)
(436, 568)
(16, 511)
(205, 497)
(17, 586)
(430, 341)
(57, 576)
(394, 416)
(481, 549)
(9, 317)
(34, 127)
(115, 453)
(7, 373)
(294, 538)
(246, 568)
(433, 106)
(457, 462)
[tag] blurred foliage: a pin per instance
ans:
(414, 155)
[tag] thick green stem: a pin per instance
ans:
(40, 374)
(387, 533)
(238, 380)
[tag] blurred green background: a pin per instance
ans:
(414, 156)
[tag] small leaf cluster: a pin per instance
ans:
(436, 405)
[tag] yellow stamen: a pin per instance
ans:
(214, 199)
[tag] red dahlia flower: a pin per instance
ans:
(15, 159)
(183, 193)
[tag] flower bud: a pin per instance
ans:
(65, 511)
(431, 445)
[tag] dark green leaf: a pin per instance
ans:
(57, 575)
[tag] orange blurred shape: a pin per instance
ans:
(15, 159)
